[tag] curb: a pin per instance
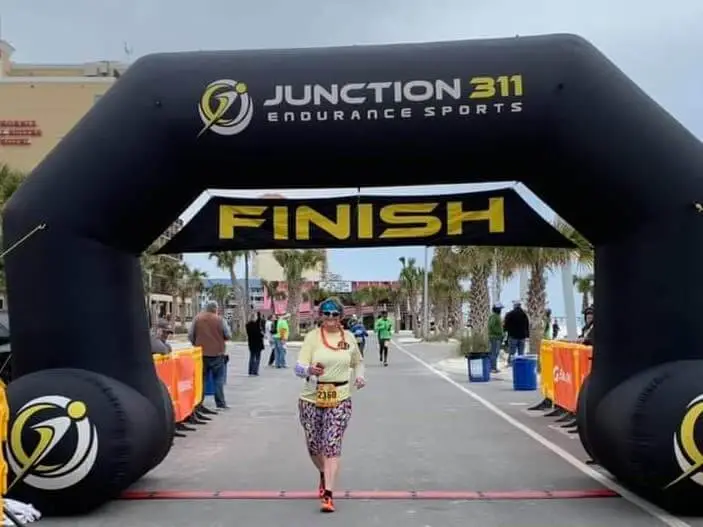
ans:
(458, 366)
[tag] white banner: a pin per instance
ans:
(337, 286)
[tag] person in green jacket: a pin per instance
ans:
(384, 332)
(495, 335)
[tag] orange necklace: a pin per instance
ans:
(341, 345)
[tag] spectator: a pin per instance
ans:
(268, 337)
(255, 340)
(495, 335)
(159, 342)
(517, 326)
(587, 335)
(547, 322)
(555, 329)
(210, 332)
(280, 338)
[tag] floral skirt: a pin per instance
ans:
(324, 427)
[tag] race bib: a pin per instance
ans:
(326, 396)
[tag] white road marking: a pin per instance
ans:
(603, 479)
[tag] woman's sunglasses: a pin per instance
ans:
(330, 314)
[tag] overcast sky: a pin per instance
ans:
(658, 44)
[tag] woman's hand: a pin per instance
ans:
(317, 369)
(359, 383)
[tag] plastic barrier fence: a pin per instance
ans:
(564, 366)
(4, 416)
(182, 373)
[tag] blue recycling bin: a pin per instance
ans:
(479, 365)
(525, 373)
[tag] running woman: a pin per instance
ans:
(325, 405)
(384, 332)
(360, 333)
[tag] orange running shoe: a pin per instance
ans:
(327, 504)
(321, 486)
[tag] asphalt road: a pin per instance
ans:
(412, 430)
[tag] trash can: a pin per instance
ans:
(479, 367)
(525, 373)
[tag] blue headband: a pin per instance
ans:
(329, 305)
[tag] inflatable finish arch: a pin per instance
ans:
(549, 111)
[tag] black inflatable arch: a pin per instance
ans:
(550, 111)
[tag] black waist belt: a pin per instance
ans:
(332, 383)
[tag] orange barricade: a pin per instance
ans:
(571, 364)
(585, 356)
(565, 378)
(166, 370)
(181, 372)
(185, 366)
(546, 369)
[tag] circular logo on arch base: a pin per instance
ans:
(52, 443)
(686, 450)
(225, 107)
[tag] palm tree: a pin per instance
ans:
(411, 282)
(271, 287)
(501, 273)
(196, 287)
(10, 181)
(316, 294)
(539, 261)
(480, 262)
(375, 296)
(585, 286)
(221, 293)
(395, 297)
(445, 291)
(295, 262)
(227, 260)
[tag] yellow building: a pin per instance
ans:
(40, 103)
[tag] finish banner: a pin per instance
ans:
(493, 218)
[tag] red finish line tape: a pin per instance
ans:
(369, 495)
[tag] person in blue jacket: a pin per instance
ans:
(359, 331)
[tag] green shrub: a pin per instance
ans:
(437, 337)
(473, 343)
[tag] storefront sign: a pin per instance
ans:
(18, 133)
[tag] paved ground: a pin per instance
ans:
(411, 430)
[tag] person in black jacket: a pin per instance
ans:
(255, 339)
(587, 335)
(517, 326)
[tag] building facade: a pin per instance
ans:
(40, 103)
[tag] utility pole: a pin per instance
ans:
(247, 296)
(567, 287)
(426, 298)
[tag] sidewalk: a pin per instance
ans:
(459, 366)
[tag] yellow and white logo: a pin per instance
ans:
(688, 455)
(64, 416)
(216, 107)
